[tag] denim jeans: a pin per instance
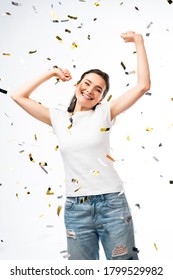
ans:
(102, 218)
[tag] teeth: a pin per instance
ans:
(86, 96)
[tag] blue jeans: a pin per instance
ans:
(95, 218)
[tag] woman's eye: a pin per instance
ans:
(87, 83)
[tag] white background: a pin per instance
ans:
(29, 225)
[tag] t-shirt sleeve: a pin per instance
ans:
(106, 113)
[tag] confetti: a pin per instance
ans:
(59, 38)
(56, 148)
(122, 64)
(70, 126)
(8, 14)
(149, 25)
(170, 1)
(96, 4)
(149, 129)
(156, 159)
(109, 157)
(76, 190)
(67, 30)
(128, 138)
(35, 137)
(6, 54)
(155, 246)
(148, 93)
(72, 17)
(136, 250)
(171, 182)
(3, 91)
(42, 164)
(94, 172)
(31, 158)
(49, 192)
(74, 45)
(31, 52)
(137, 8)
(147, 34)
(75, 181)
(138, 205)
(109, 97)
(130, 72)
(103, 129)
(59, 210)
(16, 3)
(17, 195)
(83, 199)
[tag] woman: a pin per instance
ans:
(96, 208)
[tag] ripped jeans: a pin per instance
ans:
(104, 218)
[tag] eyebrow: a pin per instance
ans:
(96, 85)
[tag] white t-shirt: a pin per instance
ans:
(85, 148)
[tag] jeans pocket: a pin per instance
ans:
(69, 203)
(115, 200)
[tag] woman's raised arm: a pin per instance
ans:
(22, 95)
(126, 100)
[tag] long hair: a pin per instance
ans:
(102, 74)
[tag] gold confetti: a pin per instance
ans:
(103, 129)
(56, 148)
(31, 158)
(67, 30)
(6, 54)
(155, 246)
(96, 4)
(49, 192)
(83, 199)
(74, 45)
(128, 138)
(109, 157)
(76, 190)
(109, 98)
(17, 195)
(42, 163)
(28, 193)
(95, 172)
(35, 137)
(75, 181)
(59, 210)
(59, 38)
(70, 126)
(149, 129)
(72, 17)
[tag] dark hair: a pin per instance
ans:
(102, 74)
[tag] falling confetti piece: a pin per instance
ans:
(72, 17)
(67, 30)
(103, 129)
(130, 72)
(83, 199)
(155, 246)
(156, 159)
(16, 3)
(109, 97)
(59, 38)
(122, 64)
(109, 157)
(148, 93)
(89, 37)
(17, 195)
(31, 158)
(3, 91)
(96, 4)
(171, 182)
(74, 45)
(136, 250)
(75, 181)
(149, 129)
(8, 14)
(94, 19)
(6, 54)
(42, 164)
(35, 137)
(170, 1)
(138, 205)
(137, 8)
(128, 138)
(28, 193)
(148, 34)
(64, 20)
(94, 172)
(56, 148)
(32, 52)
(49, 192)
(70, 126)
(59, 210)
(149, 25)
(76, 190)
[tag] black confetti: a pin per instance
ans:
(3, 91)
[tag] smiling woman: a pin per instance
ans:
(96, 207)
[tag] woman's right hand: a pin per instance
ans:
(63, 75)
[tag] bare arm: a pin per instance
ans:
(22, 95)
(126, 100)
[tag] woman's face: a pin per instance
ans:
(89, 91)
